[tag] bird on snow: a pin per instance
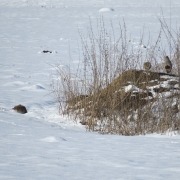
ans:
(147, 66)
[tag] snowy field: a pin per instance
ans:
(44, 145)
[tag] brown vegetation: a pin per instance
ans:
(114, 95)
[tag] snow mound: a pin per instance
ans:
(50, 139)
(106, 10)
(131, 88)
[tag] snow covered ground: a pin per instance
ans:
(33, 149)
(43, 145)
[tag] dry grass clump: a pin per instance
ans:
(136, 77)
(115, 106)
(113, 95)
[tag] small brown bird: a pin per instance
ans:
(20, 109)
(167, 64)
(147, 66)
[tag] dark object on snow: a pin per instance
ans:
(20, 109)
(46, 51)
(167, 64)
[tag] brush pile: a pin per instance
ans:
(136, 102)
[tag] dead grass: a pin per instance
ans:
(102, 99)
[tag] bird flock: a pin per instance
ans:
(167, 65)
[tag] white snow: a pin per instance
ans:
(49, 139)
(132, 88)
(106, 10)
(45, 145)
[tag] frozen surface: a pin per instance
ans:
(43, 145)
(33, 149)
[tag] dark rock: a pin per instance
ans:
(46, 51)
